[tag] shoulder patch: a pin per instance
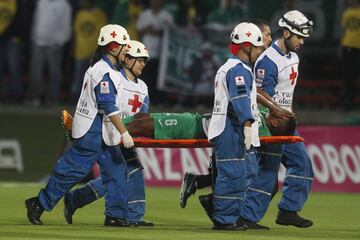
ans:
(104, 87)
(239, 80)
(260, 73)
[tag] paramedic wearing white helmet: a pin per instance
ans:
(135, 98)
(230, 127)
(132, 98)
(97, 100)
(276, 72)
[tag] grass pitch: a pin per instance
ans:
(336, 216)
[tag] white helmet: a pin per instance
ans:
(113, 33)
(137, 49)
(297, 23)
(247, 32)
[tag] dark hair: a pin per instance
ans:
(279, 32)
(261, 23)
(99, 52)
(286, 127)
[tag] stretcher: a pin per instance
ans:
(185, 143)
(204, 143)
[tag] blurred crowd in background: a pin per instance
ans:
(46, 45)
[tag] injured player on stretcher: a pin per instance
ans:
(189, 125)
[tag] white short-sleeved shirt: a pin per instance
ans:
(158, 21)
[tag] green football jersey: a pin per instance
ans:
(178, 125)
(126, 120)
(263, 129)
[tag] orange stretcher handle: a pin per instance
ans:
(203, 143)
(281, 139)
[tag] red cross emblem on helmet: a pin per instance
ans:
(113, 34)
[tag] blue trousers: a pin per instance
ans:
(298, 177)
(75, 164)
(114, 183)
(231, 180)
(258, 194)
(135, 189)
(297, 184)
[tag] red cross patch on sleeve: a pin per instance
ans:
(104, 87)
(260, 73)
(239, 80)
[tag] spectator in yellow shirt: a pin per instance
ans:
(350, 44)
(88, 21)
(12, 32)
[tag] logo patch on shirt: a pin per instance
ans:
(260, 73)
(104, 87)
(239, 81)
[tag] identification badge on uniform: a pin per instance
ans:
(239, 81)
(104, 87)
(260, 73)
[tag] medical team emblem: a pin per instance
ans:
(239, 80)
(260, 73)
(104, 87)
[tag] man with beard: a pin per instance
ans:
(192, 181)
(276, 72)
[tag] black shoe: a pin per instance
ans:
(251, 225)
(68, 209)
(142, 224)
(207, 204)
(116, 222)
(34, 210)
(188, 188)
(292, 218)
(229, 227)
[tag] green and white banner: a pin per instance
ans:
(188, 64)
(190, 58)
